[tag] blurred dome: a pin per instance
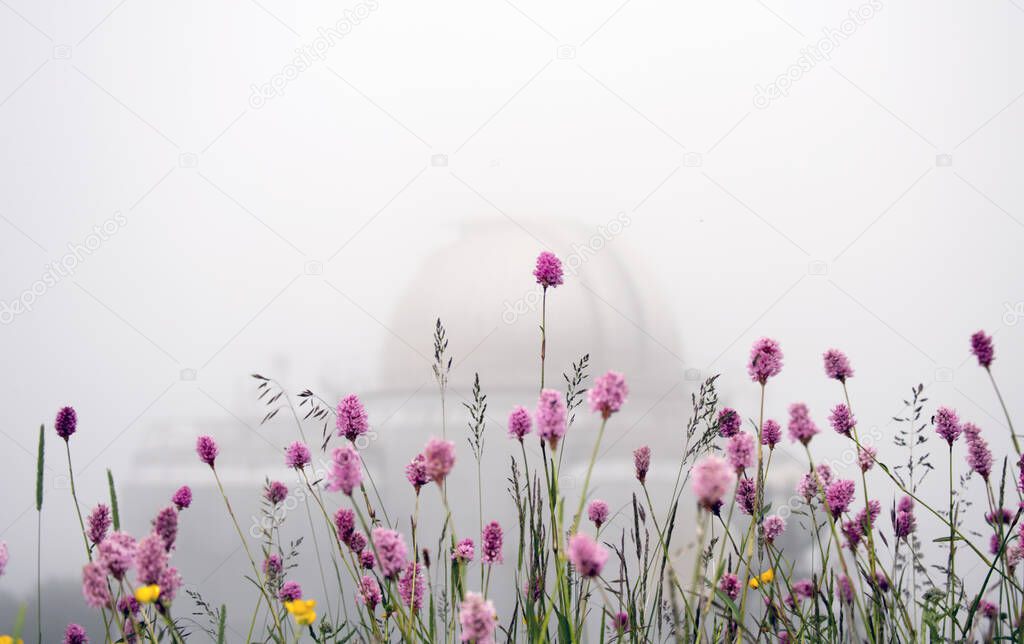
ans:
(482, 288)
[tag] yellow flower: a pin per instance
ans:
(764, 578)
(147, 594)
(302, 610)
(7, 639)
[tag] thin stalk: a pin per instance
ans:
(951, 568)
(586, 479)
(1002, 403)
(543, 332)
(248, 552)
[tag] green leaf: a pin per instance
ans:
(113, 501)
(39, 470)
(729, 603)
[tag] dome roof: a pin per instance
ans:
(482, 288)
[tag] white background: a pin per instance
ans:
(828, 218)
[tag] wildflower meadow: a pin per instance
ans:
(863, 572)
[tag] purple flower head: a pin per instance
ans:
(352, 421)
(94, 586)
(551, 417)
(548, 270)
(729, 422)
(165, 525)
(344, 524)
(464, 551)
(979, 457)
(740, 450)
(712, 478)
(366, 559)
(842, 419)
(994, 544)
(490, 544)
(853, 532)
(1001, 516)
(290, 591)
(730, 585)
(971, 432)
(903, 522)
(988, 609)
(116, 553)
(297, 455)
(783, 637)
(746, 495)
(346, 470)
(837, 365)
(392, 550)
(771, 433)
(642, 463)
(981, 347)
(275, 492)
(773, 527)
(519, 422)
(844, 589)
(801, 427)
(765, 360)
(440, 459)
(477, 619)
(598, 512)
(369, 592)
(150, 559)
(866, 457)
(128, 605)
(75, 634)
(882, 581)
(207, 450)
(906, 504)
(357, 542)
(411, 585)
(608, 394)
(99, 523)
(809, 488)
(620, 622)
(947, 425)
(273, 566)
(869, 518)
(170, 582)
(4, 557)
(416, 472)
(586, 555)
(66, 422)
(838, 495)
(804, 588)
(182, 497)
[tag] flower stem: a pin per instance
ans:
(586, 479)
(1002, 403)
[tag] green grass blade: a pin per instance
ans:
(39, 469)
